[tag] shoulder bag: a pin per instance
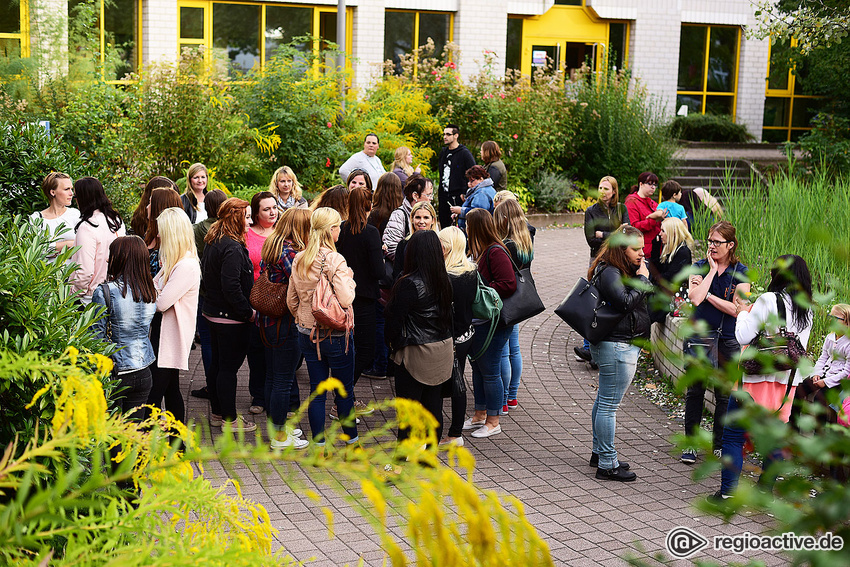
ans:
(784, 347)
(587, 313)
(269, 298)
(525, 302)
(487, 306)
(327, 310)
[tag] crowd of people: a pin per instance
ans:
(370, 280)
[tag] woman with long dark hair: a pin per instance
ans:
(494, 265)
(620, 262)
(336, 198)
(280, 335)
(227, 281)
(161, 199)
(129, 310)
(139, 220)
(790, 284)
(419, 326)
(360, 245)
(388, 197)
(99, 225)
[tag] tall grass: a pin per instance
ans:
(807, 217)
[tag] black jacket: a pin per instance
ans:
(227, 279)
(464, 288)
(363, 254)
(617, 293)
(458, 161)
(413, 316)
(189, 207)
(677, 262)
(601, 218)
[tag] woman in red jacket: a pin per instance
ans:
(643, 212)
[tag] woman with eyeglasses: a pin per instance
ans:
(713, 293)
(644, 213)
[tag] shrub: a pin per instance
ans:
(709, 128)
(37, 314)
(27, 154)
(552, 191)
(827, 145)
(619, 129)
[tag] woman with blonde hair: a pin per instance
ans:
(491, 155)
(286, 189)
(422, 217)
(177, 285)
(59, 218)
(280, 335)
(330, 353)
(403, 164)
(228, 277)
(464, 279)
(503, 195)
(197, 179)
(513, 230)
(676, 253)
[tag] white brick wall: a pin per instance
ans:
(368, 42)
(159, 31)
(481, 25)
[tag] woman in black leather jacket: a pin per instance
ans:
(419, 327)
(620, 262)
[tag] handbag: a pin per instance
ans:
(327, 310)
(587, 313)
(784, 347)
(386, 279)
(486, 306)
(268, 297)
(525, 302)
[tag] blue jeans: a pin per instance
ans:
(256, 368)
(617, 364)
(334, 360)
(511, 365)
(282, 358)
(732, 451)
(487, 387)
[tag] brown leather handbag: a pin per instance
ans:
(269, 298)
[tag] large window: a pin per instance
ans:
(513, 54)
(787, 111)
(111, 29)
(245, 35)
(405, 31)
(708, 69)
(13, 28)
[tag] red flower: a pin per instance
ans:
(330, 125)
(515, 136)
(519, 99)
(328, 163)
(434, 72)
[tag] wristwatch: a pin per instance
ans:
(707, 295)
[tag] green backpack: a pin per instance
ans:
(487, 306)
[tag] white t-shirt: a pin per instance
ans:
(63, 227)
(200, 214)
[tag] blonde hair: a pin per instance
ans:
(287, 171)
(293, 226)
(844, 309)
(399, 160)
(190, 173)
(511, 224)
(677, 235)
(430, 208)
(321, 223)
(503, 195)
(177, 241)
(454, 243)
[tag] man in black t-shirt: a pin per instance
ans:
(455, 159)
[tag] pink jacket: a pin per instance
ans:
(299, 295)
(178, 301)
(94, 244)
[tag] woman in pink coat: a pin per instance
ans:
(177, 284)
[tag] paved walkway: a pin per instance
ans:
(541, 458)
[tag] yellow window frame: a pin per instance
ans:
(704, 93)
(138, 8)
(789, 93)
(416, 39)
(24, 35)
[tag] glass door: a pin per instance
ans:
(546, 57)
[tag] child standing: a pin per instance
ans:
(671, 193)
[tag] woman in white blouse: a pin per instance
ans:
(59, 218)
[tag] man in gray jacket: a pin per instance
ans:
(365, 160)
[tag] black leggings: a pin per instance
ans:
(166, 384)
(459, 402)
(406, 386)
(365, 321)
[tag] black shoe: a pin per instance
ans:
(202, 393)
(617, 474)
(718, 497)
(583, 353)
(593, 365)
(594, 462)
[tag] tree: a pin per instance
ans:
(813, 23)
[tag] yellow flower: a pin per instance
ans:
(330, 385)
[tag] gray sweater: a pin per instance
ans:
(371, 165)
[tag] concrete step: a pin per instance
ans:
(689, 171)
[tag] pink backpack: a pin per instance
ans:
(328, 312)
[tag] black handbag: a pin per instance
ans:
(386, 280)
(525, 302)
(587, 313)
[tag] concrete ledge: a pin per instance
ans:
(541, 220)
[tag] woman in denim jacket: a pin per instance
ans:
(127, 320)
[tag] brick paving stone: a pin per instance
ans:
(541, 457)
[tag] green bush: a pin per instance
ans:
(27, 154)
(619, 129)
(37, 314)
(827, 145)
(552, 191)
(709, 128)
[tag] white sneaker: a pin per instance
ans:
(238, 424)
(296, 433)
(471, 424)
(456, 441)
(291, 441)
(485, 431)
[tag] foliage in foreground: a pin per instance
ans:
(137, 499)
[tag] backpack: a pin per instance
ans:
(327, 310)
(487, 306)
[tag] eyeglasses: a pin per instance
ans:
(837, 317)
(717, 243)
